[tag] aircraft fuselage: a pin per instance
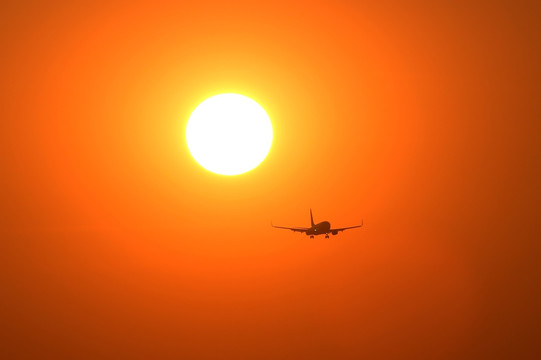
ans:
(322, 228)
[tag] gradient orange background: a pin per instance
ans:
(420, 118)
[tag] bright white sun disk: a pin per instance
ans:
(229, 134)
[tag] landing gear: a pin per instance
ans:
(326, 236)
(311, 236)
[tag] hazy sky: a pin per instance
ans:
(420, 118)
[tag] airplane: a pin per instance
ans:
(321, 228)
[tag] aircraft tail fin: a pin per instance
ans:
(311, 218)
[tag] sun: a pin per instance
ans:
(229, 134)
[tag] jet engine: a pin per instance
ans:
(335, 232)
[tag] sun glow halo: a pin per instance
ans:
(229, 134)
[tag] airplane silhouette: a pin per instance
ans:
(321, 228)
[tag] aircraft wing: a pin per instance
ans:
(346, 228)
(303, 230)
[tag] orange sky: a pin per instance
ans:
(420, 118)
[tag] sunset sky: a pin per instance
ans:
(422, 119)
